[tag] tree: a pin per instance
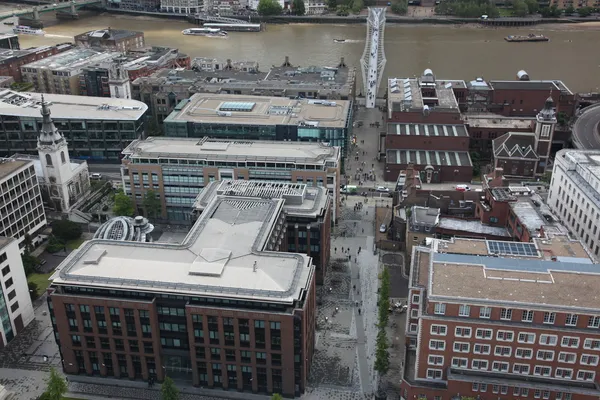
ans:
(28, 242)
(357, 6)
(382, 357)
(584, 11)
(569, 10)
(29, 263)
(332, 4)
(152, 127)
(33, 290)
(400, 7)
(276, 396)
(298, 7)
(269, 7)
(533, 6)
(152, 204)
(123, 205)
(520, 8)
(168, 390)
(57, 386)
(66, 230)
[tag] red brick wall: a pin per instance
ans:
(446, 174)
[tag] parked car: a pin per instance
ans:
(382, 228)
(382, 189)
(463, 188)
(96, 176)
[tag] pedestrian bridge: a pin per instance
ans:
(35, 10)
(373, 58)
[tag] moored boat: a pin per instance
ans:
(339, 40)
(28, 30)
(528, 38)
(204, 32)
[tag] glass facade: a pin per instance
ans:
(5, 318)
(96, 140)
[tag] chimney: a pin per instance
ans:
(286, 63)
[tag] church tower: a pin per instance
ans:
(545, 125)
(56, 163)
(118, 81)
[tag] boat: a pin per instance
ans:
(529, 38)
(204, 32)
(9, 23)
(28, 30)
(339, 40)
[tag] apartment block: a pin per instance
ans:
(21, 204)
(526, 324)
(307, 214)
(59, 74)
(227, 308)
(11, 60)
(16, 311)
(111, 39)
(177, 169)
(574, 194)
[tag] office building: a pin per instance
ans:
(21, 205)
(177, 169)
(96, 128)
(9, 41)
(138, 5)
(574, 194)
(111, 39)
(12, 60)
(227, 308)
(59, 74)
(261, 118)
(16, 311)
(182, 6)
(210, 75)
(495, 319)
(307, 213)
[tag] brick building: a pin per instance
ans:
(483, 128)
(308, 214)
(111, 39)
(227, 308)
(525, 326)
(12, 60)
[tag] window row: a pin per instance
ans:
(518, 391)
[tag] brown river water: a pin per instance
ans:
(452, 52)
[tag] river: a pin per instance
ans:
(452, 52)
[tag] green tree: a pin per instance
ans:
(332, 4)
(168, 390)
(383, 301)
(123, 205)
(57, 386)
(569, 10)
(533, 6)
(33, 290)
(520, 8)
(298, 7)
(400, 7)
(152, 127)
(276, 396)
(66, 230)
(269, 7)
(584, 11)
(382, 356)
(28, 242)
(342, 10)
(29, 263)
(152, 204)
(357, 6)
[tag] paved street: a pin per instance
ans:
(585, 130)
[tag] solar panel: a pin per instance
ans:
(512, 248)
(237, 106)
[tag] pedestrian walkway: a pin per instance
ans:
(373, 59)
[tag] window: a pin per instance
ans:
(416, 298)
(542, 370)
(479, 364)
(545, 355)
(464, 310)
(502, 351)
(434, 374)
(48, 160)
(527, 316)
(483, 334)
(439, 330)
(589, 359)
(593, 322)
(462, 331)
(523, 353)
(485, 312)
(569, 341)
(437, 345)
(505, 336)
(525, 337)
(571, 320)
(564, 373)
(521, 369)
(591, 344)
(435, 360)
(585, 375)
(549, 317)
(461, 347)
(480, 348)
(506, 314)
(500, 366)
(414, 313)
(459, 362)
(5, 270)
(548, 340)
(567, 357)
(439, 309)
(9, 283)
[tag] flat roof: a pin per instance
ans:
(457, 224)
(403, 129)
(5, 241)
(9, 165)
(515, 281)
(300, 200)
(72, 59)
(496, 121)
(207, 108)
(544, 85)
(408, 93)
(224, 149)
(223, 256)
(64, 106)
(429, 157)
